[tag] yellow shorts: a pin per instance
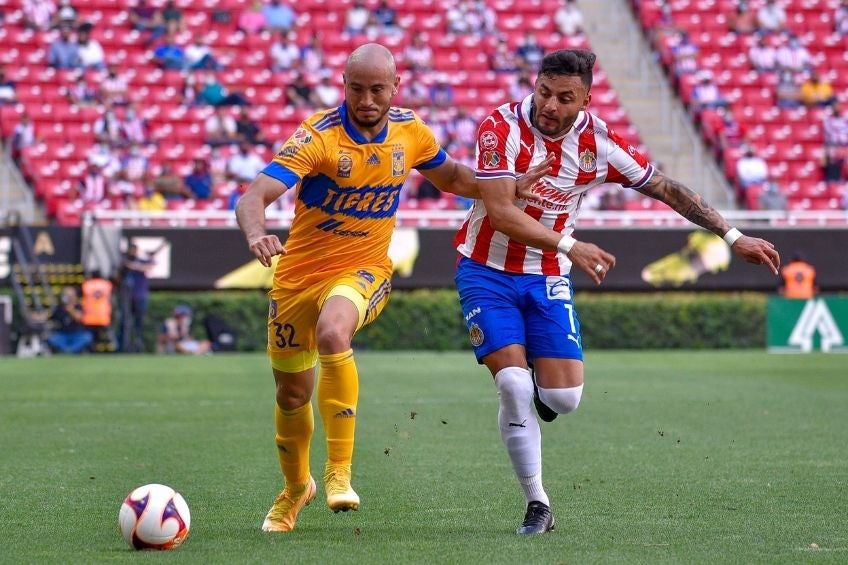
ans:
(293, 314)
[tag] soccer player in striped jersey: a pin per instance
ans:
(347, 165)
(516, 255)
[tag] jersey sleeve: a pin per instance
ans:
(627, 167)
(496, 150)
(430, 153)
(299, 156)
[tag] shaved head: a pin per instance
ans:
(371, 56)
(371, 81)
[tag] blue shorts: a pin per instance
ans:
(502, 309)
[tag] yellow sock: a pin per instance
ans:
(294, 433)
(338, 392)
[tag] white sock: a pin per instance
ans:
(520, 430)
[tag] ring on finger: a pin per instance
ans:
(599, 268)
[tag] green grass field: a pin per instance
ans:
(673, 457)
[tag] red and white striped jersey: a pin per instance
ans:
(508, 145)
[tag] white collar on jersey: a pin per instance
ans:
(525, 110)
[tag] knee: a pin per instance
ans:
(332, 338)
(290, 396)
(515, 387)
(561, 400)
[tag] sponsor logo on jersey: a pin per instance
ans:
(488, 140)
(373, 160)
(367, 201)
(398, 162)
(302, 136)
(476, 335)
(491, 160)
(631, 150)
(474, 312)
(345, 166)
(558, 288)
(331, 225)
(288, 150)
(587, 162)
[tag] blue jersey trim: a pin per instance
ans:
(281, 173)
(434, 162)
(354, 133)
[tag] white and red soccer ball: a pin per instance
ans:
(154, 517)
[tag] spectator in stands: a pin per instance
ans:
(750, 169)
(252, 20)
(107, 129)
(729, 132)
(278, 16)
(685, 55)
(170, 184)
(298, 93)
(816, 92)
(786, 91)
(792, 56)
(530, 53)
(833, 164)
(248, 130)
(80, 93)
(762, 55)
(66, 15)
(520, 87)
(463, 130)
(237, 193)
(146, 18)
(7, 88)
(215, 94)
(93, 186)
(64, 51)
(133, 126)
(152, 200)
(706, 94)
(221, 128)
(413, 92)
(312, 59)
(114, 87)
(68, 334)
(190, 90)
(168, 54)
(744, 19)
(23, 136)
(326, 94)
(172, 17)
(134, 164)
(471, 17)
(568, 18)
(284, 53)
(102, 156)
(418, 55)
(198, 55)
(772, 198)
(771, 17)
(175, 335)
(835, 126)
(441, 92)
(38, 14)
(356, 18)
(90, 51)
(386, 18)
(502, 59)
(244, 165)
(199, 180)
(840, 18)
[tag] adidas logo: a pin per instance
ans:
(346, 413)
(373, 160)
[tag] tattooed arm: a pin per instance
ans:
(694, 208)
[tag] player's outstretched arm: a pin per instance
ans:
(456, 178)
(250, 213)
(694, 208)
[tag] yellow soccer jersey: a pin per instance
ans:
(348, 191)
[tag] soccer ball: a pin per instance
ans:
(154, 517)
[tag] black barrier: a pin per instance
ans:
(646, 259)
(58, 248)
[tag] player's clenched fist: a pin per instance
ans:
(265, 248)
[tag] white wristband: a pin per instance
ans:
(566, 243)
(731, 236)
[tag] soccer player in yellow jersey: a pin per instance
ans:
(348, 165)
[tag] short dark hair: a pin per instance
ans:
(569, 62)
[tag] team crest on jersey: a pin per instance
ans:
(302, 136)
(491, 160)
(476, 335)
(345, 166)
(488, 140)
(272, 310)
(398, 162)
(587, 162)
